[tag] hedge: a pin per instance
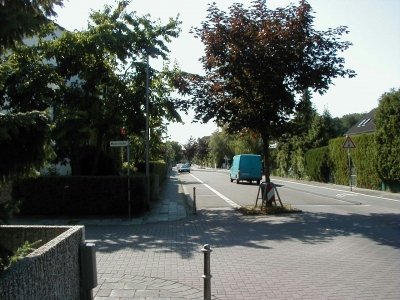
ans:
(333, 161)
(317, 164)
(79, 196)
(363, 159)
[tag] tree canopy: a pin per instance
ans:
(24, 142)
(22, 18)
(257, 61)
(94, 80)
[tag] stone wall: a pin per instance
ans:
(51, 271)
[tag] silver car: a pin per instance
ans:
(184, 168)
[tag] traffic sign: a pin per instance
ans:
(348, 143)
(119, 143)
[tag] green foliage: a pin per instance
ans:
(317, 164)
(316, 131)
(220, 146)
(95, 80)
(283, 159)
(190, 149)
(79, 196)
(202, 153)
(94, 162)
(339, 159)
(23, 142)
(158, 168)
(364, 161)
(176, 150)
(387, 138)
(23, 251)
(21, 18)
(347, 121)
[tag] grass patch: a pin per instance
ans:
(269, 210)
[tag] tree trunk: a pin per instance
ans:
(266, 156)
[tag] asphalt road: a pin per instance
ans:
(345, 244)
(214, 190)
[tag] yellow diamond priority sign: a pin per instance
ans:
(348, 143)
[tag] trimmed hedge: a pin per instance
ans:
(155, 167)
(79, 195)
(339, 163)
(363, 159)
(317, 164)
(86, 195)
(332, 162)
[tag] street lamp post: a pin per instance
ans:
(147, 134)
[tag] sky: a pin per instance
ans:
(374, 27)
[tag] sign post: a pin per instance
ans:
(125, 144)
(349, 144)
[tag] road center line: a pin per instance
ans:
(226, 199)
(337, 190)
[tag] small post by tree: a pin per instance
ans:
(257, 62)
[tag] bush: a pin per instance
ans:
(159, 168)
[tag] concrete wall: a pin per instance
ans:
(51, 271)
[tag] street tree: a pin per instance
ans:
(189, 149)
(220, 147)
(258, 61)
(202, 150)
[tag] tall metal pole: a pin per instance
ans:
(129, 181)
(349, 162)
(147, 134)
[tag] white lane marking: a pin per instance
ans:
(346, 192)
(343, 195)
(226, 199)
(312, 205)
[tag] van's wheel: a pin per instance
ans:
(258, 182)
(237, 181)
(231, 180)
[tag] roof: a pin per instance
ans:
(366, 125)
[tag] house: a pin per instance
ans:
(366, 125)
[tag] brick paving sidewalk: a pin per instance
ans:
(306, 256)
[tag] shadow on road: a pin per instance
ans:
(228, 228)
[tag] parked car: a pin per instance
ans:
(246, 167)
(184, 168)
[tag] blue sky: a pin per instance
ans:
(374, 27)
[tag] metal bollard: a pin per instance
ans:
(194, 201)
(207, 272)
(88, 270)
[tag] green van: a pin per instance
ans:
(246, 167)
